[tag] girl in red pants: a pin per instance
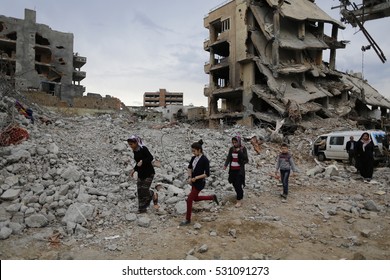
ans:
(198, 170)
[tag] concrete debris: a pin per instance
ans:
(70, 176)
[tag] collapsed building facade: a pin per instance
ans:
(267, 62)
(35, 58)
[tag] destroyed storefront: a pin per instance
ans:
(267, 62)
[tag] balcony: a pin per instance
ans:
(207, 67)
(206, 45)
(79, 75)
(79, 61)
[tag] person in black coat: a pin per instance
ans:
(145, 170)
(365, 156)
(350, 147)
(236, 159)
(198, 171)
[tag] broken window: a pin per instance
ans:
(40, 40)
(12, 36)
(225, 25)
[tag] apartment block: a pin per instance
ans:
(273, 59)
(33, 57)
(162, 98)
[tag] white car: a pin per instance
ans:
(333, 145)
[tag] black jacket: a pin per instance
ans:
(348, 146)
(146, 169)
(242, 159)
(202, 167)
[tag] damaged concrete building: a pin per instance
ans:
(267, 62)
(36, 58)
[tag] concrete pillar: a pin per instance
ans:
(332, 58)
(275, 43)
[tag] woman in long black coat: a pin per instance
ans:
(365, 156)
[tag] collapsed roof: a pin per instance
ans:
(285, 43)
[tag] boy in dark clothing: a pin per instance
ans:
(145, 169)
(285, 164)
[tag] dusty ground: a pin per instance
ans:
(264, 228)
(302, 232)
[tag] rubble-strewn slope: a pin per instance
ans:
(66, 193)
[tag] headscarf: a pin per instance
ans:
(365, 142)
(137, 139)
(238, 138)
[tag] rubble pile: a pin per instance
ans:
(72, 177)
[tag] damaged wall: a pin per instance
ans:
(266, 62)
(97, 102)
(41, 58)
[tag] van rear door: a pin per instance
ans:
(336, 148)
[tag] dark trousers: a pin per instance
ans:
(194, 196)
(237, 180)
(284, 175)
(351, 157)
(145, 194)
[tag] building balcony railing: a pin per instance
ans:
(79, 75)
(79, 61)
(206, 44)
(207, 67)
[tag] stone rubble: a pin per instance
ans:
(73, 176)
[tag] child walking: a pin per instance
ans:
(145, 170)
(285, 164)
(198, 171)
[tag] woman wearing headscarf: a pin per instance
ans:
(365, 156)
(236, 159)
(145, 170)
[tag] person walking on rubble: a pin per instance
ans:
(350, 147)
(145, 170)
(365, 156)
(285, 164)
(198, 171)
(236, 159)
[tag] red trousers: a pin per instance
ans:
(194, 196)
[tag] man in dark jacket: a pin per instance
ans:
(351, 150)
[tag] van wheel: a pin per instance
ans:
(321, 157)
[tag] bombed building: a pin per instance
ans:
(36, 58)
(268, 60)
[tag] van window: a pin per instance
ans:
(336, 140)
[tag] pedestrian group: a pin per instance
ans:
(360, 152)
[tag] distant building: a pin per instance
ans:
(36, 58)
(162, 98)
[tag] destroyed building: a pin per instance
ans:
(268, 61)
(35, 58)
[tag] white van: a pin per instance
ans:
(333, 144)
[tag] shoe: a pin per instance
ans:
(155, 198)
(215, 199)
(185, 223)
(283, 195)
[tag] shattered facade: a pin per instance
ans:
(267, 62)
(36, 58)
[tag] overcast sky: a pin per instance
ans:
(134, 47)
